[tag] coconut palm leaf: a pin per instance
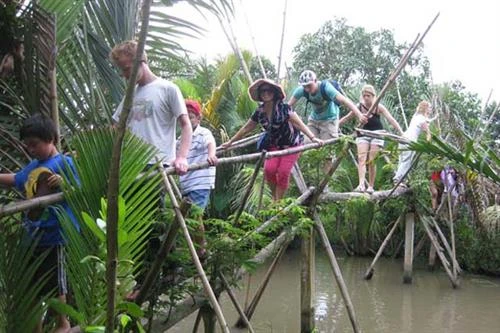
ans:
(20, 306)
(480, 158)
(241, 182)
(138, 208)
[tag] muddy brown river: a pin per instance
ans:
(383, 304)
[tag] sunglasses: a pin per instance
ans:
(268, 90)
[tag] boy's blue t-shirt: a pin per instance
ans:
(322, 109)
(47, 227)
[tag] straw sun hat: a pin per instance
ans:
(253, 90)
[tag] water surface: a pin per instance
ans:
(383, 304)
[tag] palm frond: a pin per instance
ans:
(480, 159)
(20, 305)
(140, 196)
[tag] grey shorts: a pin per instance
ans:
(370, 141)
(323, 129)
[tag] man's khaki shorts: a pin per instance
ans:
(323, 129)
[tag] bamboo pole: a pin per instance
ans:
(236, 49)
(206, 284)
(165, 248)
(375, 196)
(337, 273)
(435, 243)
(239, 144)
(307, 254)
(370, 270)
(237, 305)
(44, 201)
(452, 235)
(432, 258)
(249, 311)
(281, 42)
(54, 108)
(249, 187)
(114, 174)
(174, 185)
(445, 242)
(401, 105)
(262, 70)
(401, 65)
(419, 247)
(409, 240)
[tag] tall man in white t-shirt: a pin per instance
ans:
(419, 122)
(158, 106)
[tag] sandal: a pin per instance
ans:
(370, 190)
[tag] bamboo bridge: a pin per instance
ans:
(207, 301)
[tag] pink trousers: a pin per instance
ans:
(277, 170)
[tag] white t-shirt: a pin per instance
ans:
(153, 117)
(415, 128)
(203, 179)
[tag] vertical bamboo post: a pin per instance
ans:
(307, 282)
(409, 238)
(281, 42)
(53, 84)
(452, 234)
(206, 284)
(237, 305)
(369, 271)
(337, 273)
(114, 178)
(432, 258)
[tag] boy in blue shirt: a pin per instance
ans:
(40, 177)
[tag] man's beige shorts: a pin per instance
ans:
(323, 129)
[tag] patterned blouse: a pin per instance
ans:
(282, 134)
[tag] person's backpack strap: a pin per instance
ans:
(325, 96)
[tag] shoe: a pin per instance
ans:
(360, 188)
(370, 190)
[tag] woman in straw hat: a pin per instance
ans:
(368, 147)
(283, 129)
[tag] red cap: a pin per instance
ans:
(193, 106)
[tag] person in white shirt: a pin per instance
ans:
(419, 122)
(158, 105)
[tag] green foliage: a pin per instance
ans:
(477, 251)
(21, 306)
(138, 205)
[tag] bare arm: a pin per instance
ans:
(346, 118)
(7, 179)
(180, 162)
(383, 110)
(353, 108)
(292, 101)
(247, 128)
(298, 123)
(212, 159)
(425, 127)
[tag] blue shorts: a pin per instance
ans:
(199, 197)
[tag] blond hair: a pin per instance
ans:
(127, 48)
(423, 106)
(368, 88)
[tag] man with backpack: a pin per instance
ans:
(325, 99)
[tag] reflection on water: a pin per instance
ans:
(383, 304)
